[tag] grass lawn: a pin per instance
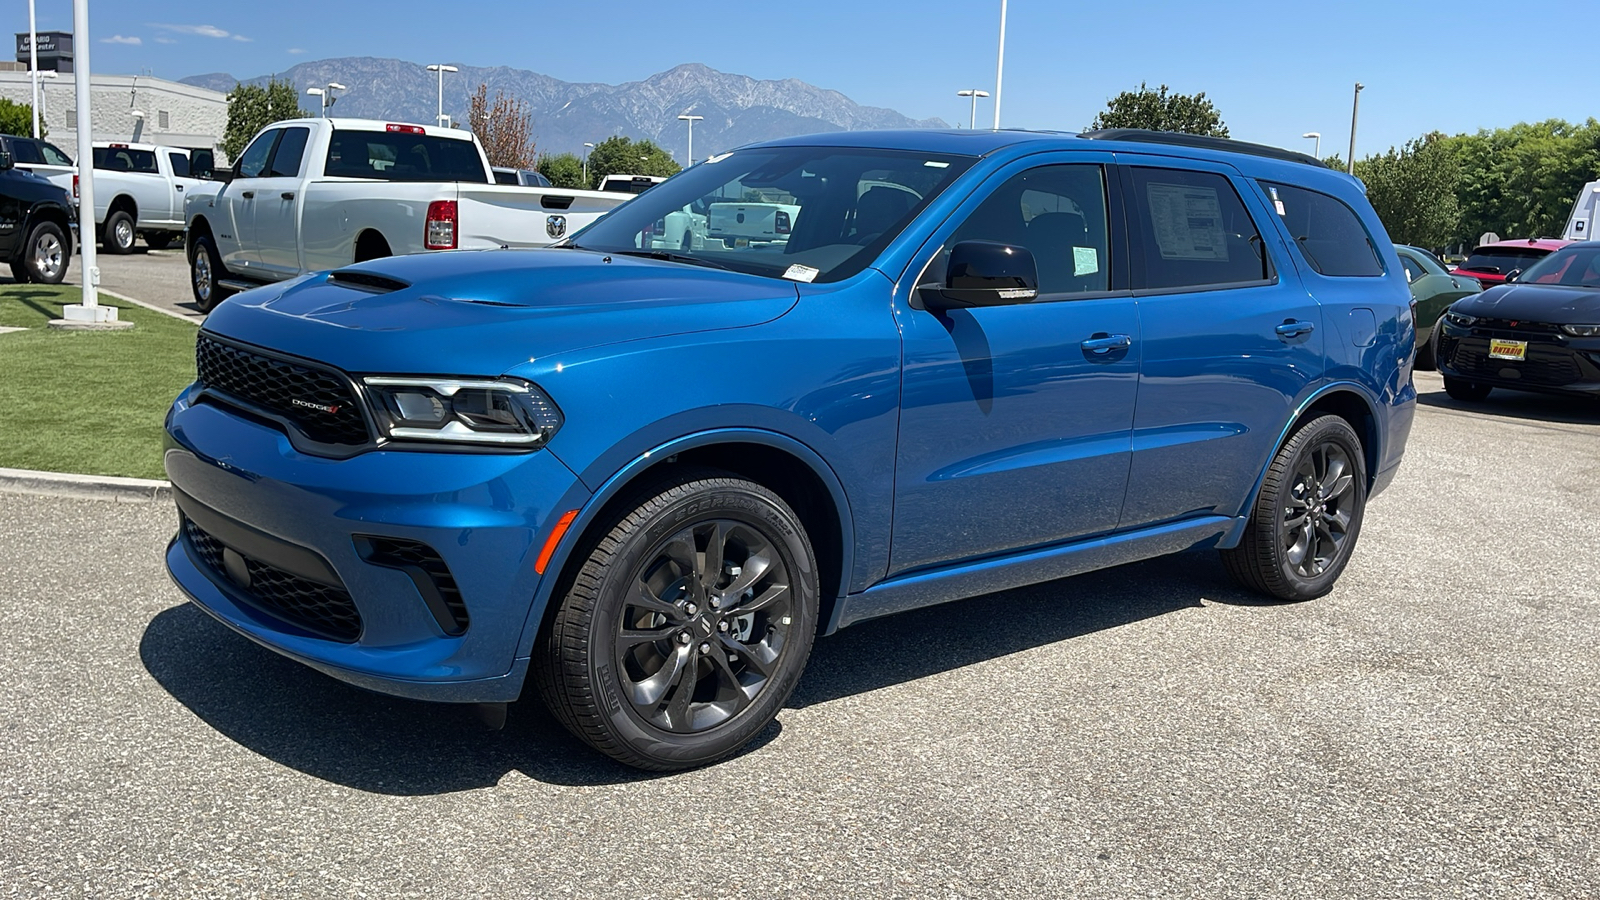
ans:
(87, 402)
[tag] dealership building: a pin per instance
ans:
(133, 108)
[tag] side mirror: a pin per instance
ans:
(984, 273)
(6, 162)
(1513, 275)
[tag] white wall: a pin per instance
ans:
(195, 117)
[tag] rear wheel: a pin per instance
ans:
(1305, 522)
(158, 240)
(687, 627)
(119, 235)
(1466, 391)
(205, 270)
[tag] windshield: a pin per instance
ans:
(805, 213)
(1575, 267)
(1500, 260)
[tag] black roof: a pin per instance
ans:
(1228, 145)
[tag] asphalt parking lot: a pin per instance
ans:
(1428, 730)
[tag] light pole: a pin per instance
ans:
(691, 120)
(1355, 109)
(441, 68)
(42, 114)
(1318, 135)
(33, 65)
(89, 313)
(587, 146)
(322, 102)
(974, 94)
(1000, 66)
(326, 94)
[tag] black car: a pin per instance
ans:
(1538, 332)
(35, 224)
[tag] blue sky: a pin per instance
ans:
(1275, 70)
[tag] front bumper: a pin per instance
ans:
(486, 515)
(1555, 363)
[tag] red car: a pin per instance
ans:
(1491, 263)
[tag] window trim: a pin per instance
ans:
(270, 169)
(1374, 245)
(1136, 245)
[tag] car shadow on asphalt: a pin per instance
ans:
(325, 728)
(1535, 407)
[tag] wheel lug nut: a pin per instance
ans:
(705, 648)
(722, 626)
(683, 637)
(715, 603)
(733, 657)
(691, 609)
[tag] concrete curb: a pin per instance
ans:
(91, 487)
(192, 320)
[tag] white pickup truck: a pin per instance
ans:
(315, 194)
(139, 190)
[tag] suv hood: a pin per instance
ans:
(1550, 303)
(484, 312)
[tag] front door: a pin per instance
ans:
(1014, 425)
(237, 205)
(277, 205)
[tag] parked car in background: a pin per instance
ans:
(42, 158)
(36, 218)
(644, 480)
(1541, 332)
(139, 191)
(1491, 263)
(1432, 291)
(629, 184)
(313, 194)
(740, 224)
(524, 177)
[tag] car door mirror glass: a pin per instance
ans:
(985, 273)
(1513, 275)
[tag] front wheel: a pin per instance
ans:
(205, 271)
(44, 256)
(1307, 517)
(687, 627)
(119, 234)
(1426, 355)
(1466, 391)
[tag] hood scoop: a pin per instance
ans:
(371, 282)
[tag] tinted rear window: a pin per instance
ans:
(1329, 234)
(1194, 231)
(396, 156)
(124, 159)
(1500, 260)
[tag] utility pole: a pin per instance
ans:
(972, 122)
(1000, 66)
(691, 120)
(33, 65)
(587, 146)
(441, 68)
(1355, 110)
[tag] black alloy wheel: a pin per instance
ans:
(119, 234)
(1307, 517)
(687, 627)
(205, 270)
(1466, 391)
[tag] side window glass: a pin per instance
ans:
(253, 161)
(25, 152)
(286, 159)
(180, 164)
(1413, 271)
(1329, 234)
(1194, 230)
(53, 156)
(1059, 214)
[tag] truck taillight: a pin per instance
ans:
(780, 222)
(404, 129)
(440, 231)
(74, 186)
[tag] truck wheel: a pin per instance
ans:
(119, 235)
(44, 256)
(1307, 517)
(158, 240)
(687, 627)
(205, 270)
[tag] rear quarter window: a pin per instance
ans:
(1194, 231)
(1328, 232)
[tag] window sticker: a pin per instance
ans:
(798, 272)
(1085, 260)
(1277, 204)
(1187, 221)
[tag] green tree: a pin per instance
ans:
(1335, 162)
(16, 118)
(1521, 181)
(252, 107)
(1158, 110)
(624, 156)
(1413, 191)
(563, 169)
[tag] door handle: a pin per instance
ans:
(287, 195)
(248, 195)
(1292, 328)
(1103, 345)
(179, 187)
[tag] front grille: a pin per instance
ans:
(318, 608)
(1499, 325)
(1542, 367)
(428, 572)
(274, 385)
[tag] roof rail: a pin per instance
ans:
(1178, 139)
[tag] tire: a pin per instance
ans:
(118, 235)
(205, 269)
(687, 244)
(158, 240)
(1426, 357)
(627, 692)
(45, 255)
(1321, 474)
(1466, 391)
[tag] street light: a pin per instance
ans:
(691, 120)
(974, 94)
(326, 93)
(586, 148)
(33, 65)
(1318, 136)
(441, 68)
(1000, 66)
(322, 102)
(1355, 108)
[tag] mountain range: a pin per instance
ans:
(737, 109)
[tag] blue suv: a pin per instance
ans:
(798, 386)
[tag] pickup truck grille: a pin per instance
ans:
(317, 402)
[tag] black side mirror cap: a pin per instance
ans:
(1513, 275)
(6, 162)
(985, 273)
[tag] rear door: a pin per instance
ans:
(1230, 338)
(278, 203)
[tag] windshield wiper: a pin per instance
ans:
(672, 257)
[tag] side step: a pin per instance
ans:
(235, 284)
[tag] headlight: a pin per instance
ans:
(505, 412)
(1582, 330)
(1462, 319)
